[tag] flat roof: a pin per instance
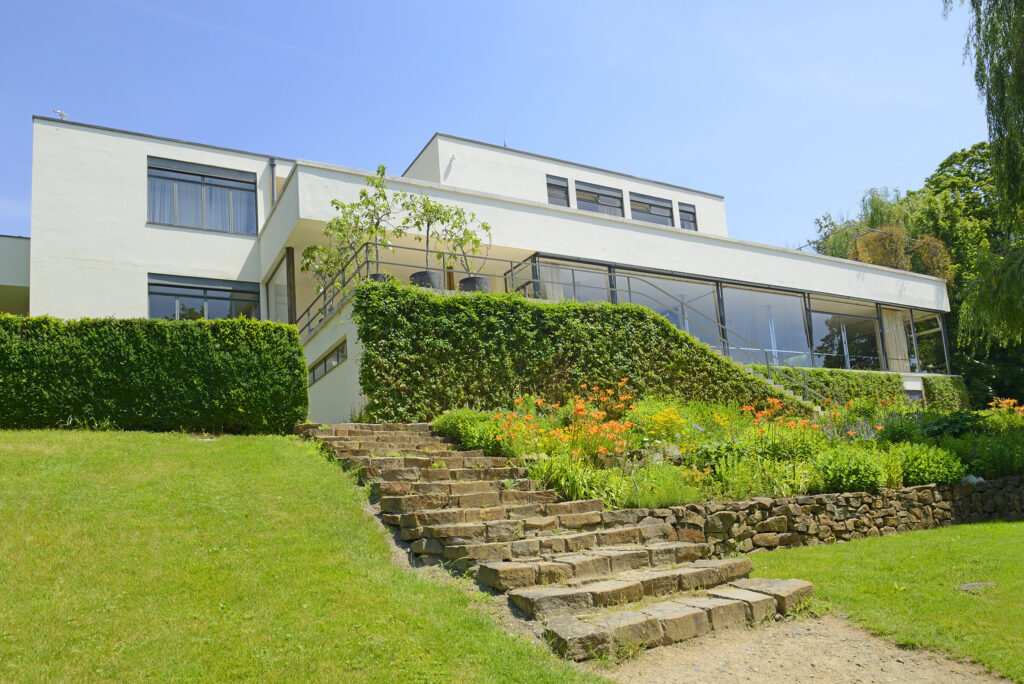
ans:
(559, 161)
(36, 117)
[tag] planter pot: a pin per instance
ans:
(381, 277)
(475, 284)
(431, 279)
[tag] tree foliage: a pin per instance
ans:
(993, 306)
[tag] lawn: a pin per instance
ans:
(903, 587)
(130, 556)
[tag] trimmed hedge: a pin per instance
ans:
(849, 384)
(424, 353)
(234, 375)
(946, 392)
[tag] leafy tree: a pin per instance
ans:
(993, 306)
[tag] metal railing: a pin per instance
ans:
(556, 281)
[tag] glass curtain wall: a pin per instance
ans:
(810, 331)
(844, 334)
(277, 295)
(771, 321)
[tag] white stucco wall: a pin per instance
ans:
(92, 248)
(495, 170)
(336, 397)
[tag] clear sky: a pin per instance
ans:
(789, 109)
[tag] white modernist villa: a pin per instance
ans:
(132, 225)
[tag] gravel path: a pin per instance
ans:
(828, 649)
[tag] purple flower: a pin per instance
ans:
(698, 427)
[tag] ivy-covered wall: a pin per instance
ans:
(235, 375)
(848, 384)
(425, 353)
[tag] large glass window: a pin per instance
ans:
(650, 209)
(687, 216)
(177, 298)
(844, 334)
(558, 191)
(765, 320)
(198, 196)
(567, 280)
(689, 305)
(599, 198)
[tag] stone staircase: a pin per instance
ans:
(599, 581)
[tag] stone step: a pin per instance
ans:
(683, 616)
(578, 567)
(380, 427)
(614, 589)
(463, 557)
(400, 488)
(422, 502)
(378, 439)
(371, 466)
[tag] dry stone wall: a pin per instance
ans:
(763, 524)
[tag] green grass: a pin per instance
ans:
(128, 556)
(902, 587)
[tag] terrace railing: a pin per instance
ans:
(549, 281)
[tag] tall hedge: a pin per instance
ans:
(425, 353)
(946, 392)
(234, 375)
(848, 384)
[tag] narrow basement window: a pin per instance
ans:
(332, 360)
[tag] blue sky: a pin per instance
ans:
(788, 109)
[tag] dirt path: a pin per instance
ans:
(828, 649)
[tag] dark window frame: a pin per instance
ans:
(558, 183)
(205, 178)
(205, 289)
(328, 362)
(612, 198)
(644, 208)
(687, 216)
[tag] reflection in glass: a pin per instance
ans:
(769, 320)
(930, 349)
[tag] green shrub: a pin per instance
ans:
(472, 429)
(923, 464)
(576, 479)
(235, 375)
(660, 485)
(744, 475)
(951, 424)
(902, 427)
(946, 392)
(849, 468)
(851, 385)
(425, 353)
(988, 456)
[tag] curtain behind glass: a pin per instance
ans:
(243, 211)
(218, 208)
(161, 200)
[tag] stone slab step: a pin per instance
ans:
(507, 497)
(399, 488)
(683, 617)
(545, 602)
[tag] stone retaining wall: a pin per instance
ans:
(761, 524)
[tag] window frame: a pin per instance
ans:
(339, 354)
(205, 289)
(558, 182)
(600, 191)
(690, 211)
(204, 177)
(649, 216)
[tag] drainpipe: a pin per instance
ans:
(273, 181)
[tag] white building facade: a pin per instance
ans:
(132, 225)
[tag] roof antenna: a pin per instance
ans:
(504, 142)
(60, 113)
